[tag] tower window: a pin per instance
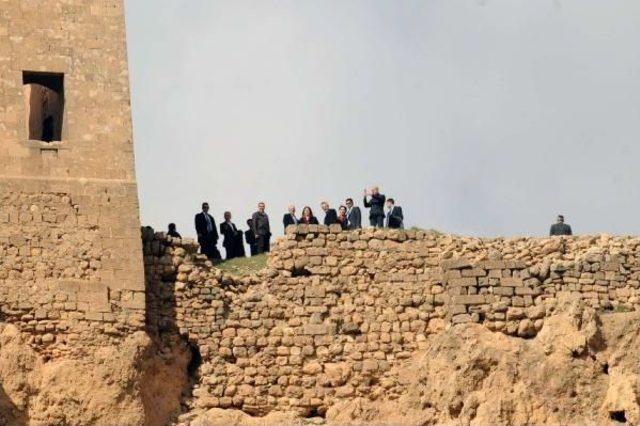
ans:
(44, 99)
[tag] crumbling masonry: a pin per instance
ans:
(337, 310)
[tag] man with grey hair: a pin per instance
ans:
(376, 204)
(560, 228)
(261, 229)
(330, 215)
(290, 218)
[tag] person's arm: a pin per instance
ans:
(197, 227)
(400, 217)
(366, 203)
(215, 230)
(358, 218)
(570, 231)
(551, 231)
(254, 224)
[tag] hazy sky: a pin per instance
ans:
(479, 117)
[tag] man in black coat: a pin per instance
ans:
(207, 233)
(560, 228)
(394, 219)
(230, 232)
(354, 216)
(250, 237)
(290, 218)
(173, 232)
(330, 215)
(376, 204)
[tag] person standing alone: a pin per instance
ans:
(560, 228)
(261, 229)
(376, 206)
(207, 233)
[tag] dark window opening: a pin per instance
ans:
(618, 416)
(44, 99)
(195, 361)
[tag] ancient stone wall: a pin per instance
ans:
(70, 261)
(336, 310)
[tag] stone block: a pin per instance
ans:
(462, 318)
(463, 282)
(315, 329)
(459, 263)
(511, 282)
(471, 299)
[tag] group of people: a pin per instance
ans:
(383, 213)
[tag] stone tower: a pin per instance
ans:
(70, 251)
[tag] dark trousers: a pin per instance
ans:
(239, 245)
(235, 247)
(264, 243)
(231, 252)
(208, 246)
(377, 221)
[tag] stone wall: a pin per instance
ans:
(336, 310)
(70, 261)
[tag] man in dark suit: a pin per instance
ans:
(394, 219)
(207, 233)
(250, 237)
(230, 232)
(262, 229)
(330, 215)
(560, 228)
(376, 204)
(354, 217)
(290, 218)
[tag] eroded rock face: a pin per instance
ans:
(471, 376)
(131, 384)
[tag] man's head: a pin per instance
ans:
(249, 223)
(292, 209)
(349, 203)
(375, 190)
(261, 206)
(324, 205)
(227, 216)
(390, 203)
(172, 227)
(205, 207)
(560, 218)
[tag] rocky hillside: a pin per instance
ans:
(581, 369)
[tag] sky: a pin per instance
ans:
(480, 117)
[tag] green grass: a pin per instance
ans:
(243, 265)
(428, 231)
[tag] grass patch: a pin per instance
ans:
(428, 231)
(243, 265)
(622, 308)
